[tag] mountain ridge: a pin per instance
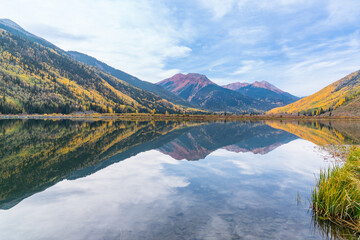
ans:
(12, 27)
(263, 84)
(198, 89)
(264, 91)
(147, 86)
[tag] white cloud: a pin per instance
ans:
(303, 45)
(135, 36)
(344, 11)
(218, 8)
(317, 65)
(247, 66)
(290, 43)
(275, 5)
(339, 15)
(248, 35)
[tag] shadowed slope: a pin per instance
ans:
(264, 91)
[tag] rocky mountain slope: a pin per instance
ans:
(264, 91)
(199, 90)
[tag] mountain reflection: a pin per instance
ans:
(35, 154)
(321, 133)
(197, 143)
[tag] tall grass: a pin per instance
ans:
(336, 196)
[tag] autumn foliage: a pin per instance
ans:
(331, 99)
(39, 79)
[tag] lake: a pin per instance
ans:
(104, 179)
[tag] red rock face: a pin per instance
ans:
(181, 83)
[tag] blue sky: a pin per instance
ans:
(299, 45)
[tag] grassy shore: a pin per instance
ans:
(175, 117)
(336, 196)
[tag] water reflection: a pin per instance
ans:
(256, 137)
(322, 133)
(35, 154)
(123, 180)
(331, 231)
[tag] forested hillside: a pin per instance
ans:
(341, 98)
(40, 79)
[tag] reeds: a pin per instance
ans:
(336, 196)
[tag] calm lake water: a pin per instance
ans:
(164, 180)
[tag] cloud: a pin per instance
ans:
(322, 63)
(275, 5)
(129, 195)
(134, 36)
(248, 35)
(290, 43)
(247, 66)
(56, 33)
(344, 11)
(151, 196)
(218, 8)
(298, 43)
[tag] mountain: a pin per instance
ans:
(341, 98)
(267, 85)
(263, 91)
(198, 89)
(147, 86)
(38, 77)
(235, 86)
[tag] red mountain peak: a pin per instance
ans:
(266, 85)
(181, 82)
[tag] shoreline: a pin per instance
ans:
(163, 117)
(337, 193)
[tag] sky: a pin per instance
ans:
(300, 46)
